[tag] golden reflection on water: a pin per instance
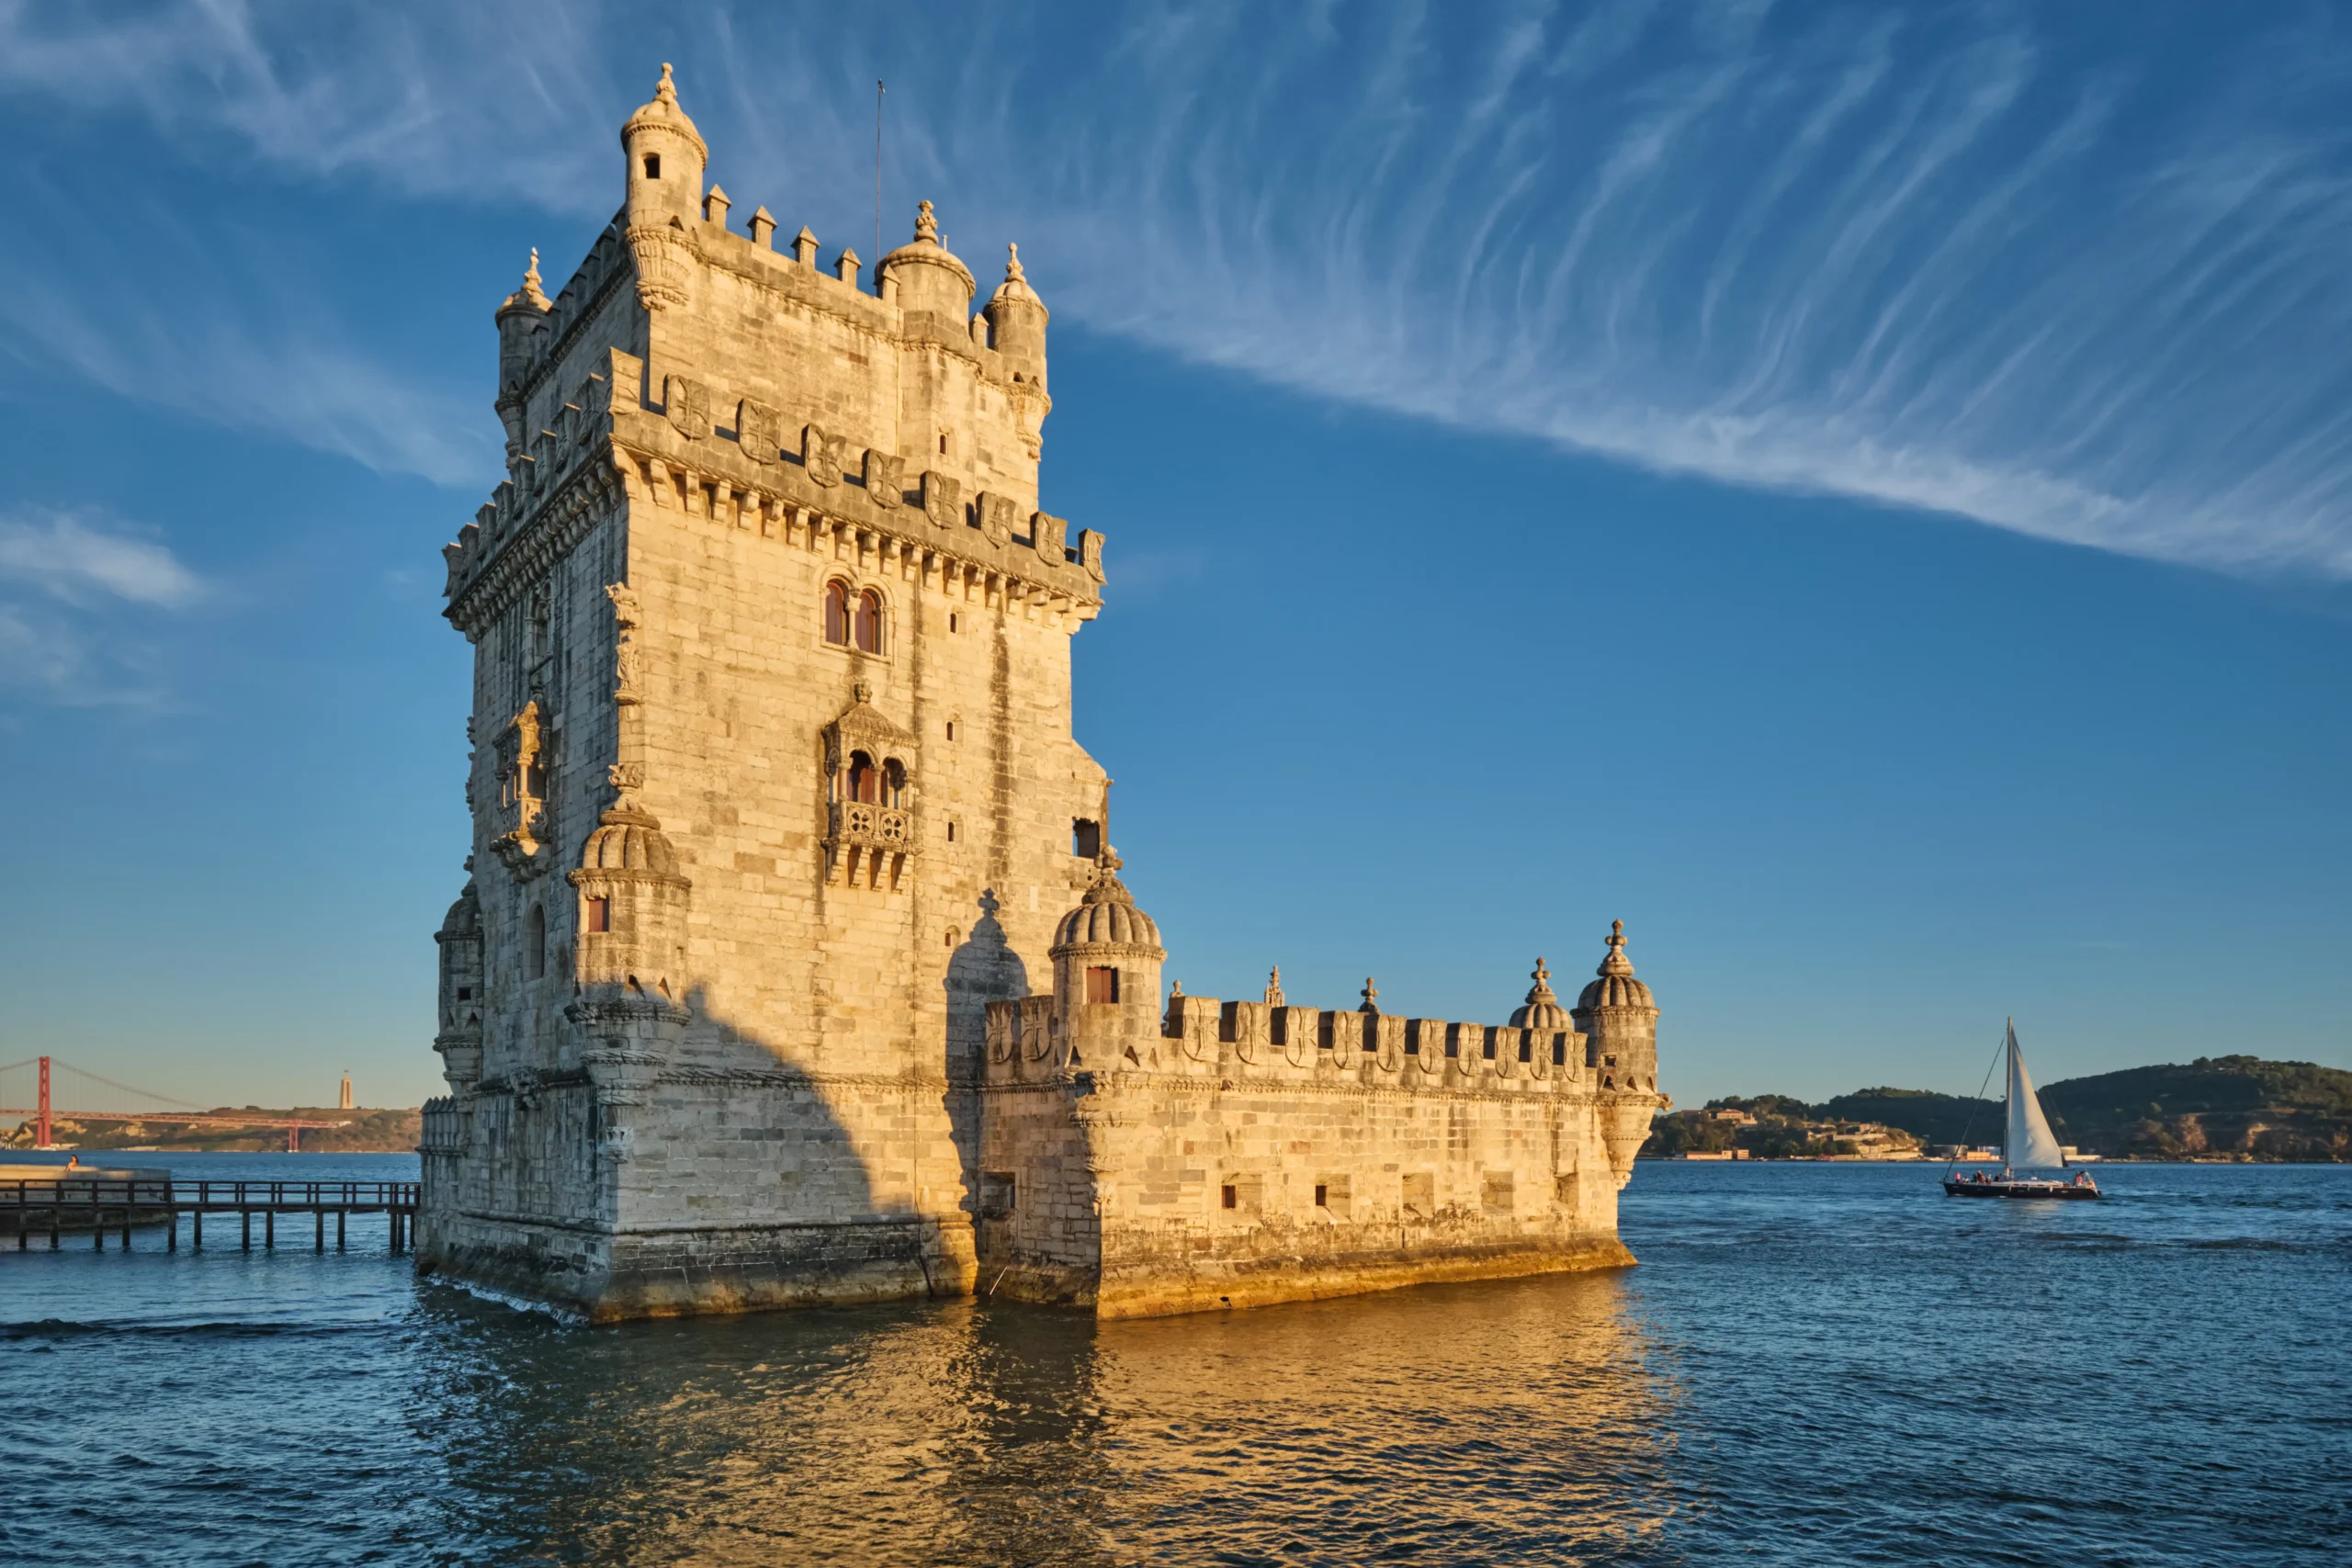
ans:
(1500, 1421)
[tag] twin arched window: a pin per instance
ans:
(868, 784)
(852, 620)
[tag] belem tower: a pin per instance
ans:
(794, 965)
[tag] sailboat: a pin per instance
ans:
(2030, 1145)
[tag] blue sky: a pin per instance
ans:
(1860, 494)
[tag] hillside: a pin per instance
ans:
(369, 1132)
(2239, 1106)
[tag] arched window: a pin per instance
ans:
(894, 782)
(864, 780)
(535, 944)
(837, 613)
(869, 622)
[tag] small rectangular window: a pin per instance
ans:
(954, 621)
(998, 1191)
(1495, 1192)
(653, 166)
(465, 993)
(1227, 1197)
(1102, 985)
(1086, 837)
(598, 916)
(1322, 1196)
(951, 723)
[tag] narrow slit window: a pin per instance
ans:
(950, 832)
(535, 944)
(1227, 1197)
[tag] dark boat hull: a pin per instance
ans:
(1953, 1188)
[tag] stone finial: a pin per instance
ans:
(804, 247)
(1371, 997)
(926, 226)
(1540, 994)
(1275, 987)
(1012, 273)
(667, 93)
(1616, 963)
(531, 294)
(847, 269)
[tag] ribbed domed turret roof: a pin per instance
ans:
(924, 249)
(1015, 287)
(1616, 987)
(664, 111)
(1106, 915)
(628, 837)
(1541, 1010)
(465, 916)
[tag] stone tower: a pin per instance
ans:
(773, 785)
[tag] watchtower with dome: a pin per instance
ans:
(780, 833)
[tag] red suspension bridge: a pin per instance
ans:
(26, 1089)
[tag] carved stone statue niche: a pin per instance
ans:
(522, 792)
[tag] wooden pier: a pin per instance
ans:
(98, 1205)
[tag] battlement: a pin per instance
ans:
(613, 439)
(1232, 1043)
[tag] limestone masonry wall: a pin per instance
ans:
(767, 986)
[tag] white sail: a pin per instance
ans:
(2030, 1146)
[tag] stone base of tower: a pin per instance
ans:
(1164, 1288)
(607, 1278)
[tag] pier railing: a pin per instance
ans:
(99, 1202)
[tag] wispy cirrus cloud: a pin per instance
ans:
(2050, 271)
(67, 583)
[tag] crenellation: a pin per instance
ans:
(769, 988)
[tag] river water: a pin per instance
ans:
(1814, 1364)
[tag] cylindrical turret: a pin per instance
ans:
(521, 318)
(1106, 957)
(1619, 1022)
(1017, 322)
(459, 1037)
(666, 157)
(925, 276)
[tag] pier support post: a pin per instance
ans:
(269, 1230)
(338, 1230)
(319, 1218)
(52, 1230)
(196, 1227)
(172, 1230)
(126, 1227)
(245, 1226)
(97, 1230)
